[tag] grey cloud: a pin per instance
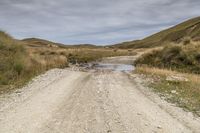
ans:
(92, 21)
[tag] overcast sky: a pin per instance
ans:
(92, 21)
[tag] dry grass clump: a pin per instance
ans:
(18, 64)
(166, 72)
(13, 62)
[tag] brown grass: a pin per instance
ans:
(79, 55)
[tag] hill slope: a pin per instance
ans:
(36, 42)
(190, 28)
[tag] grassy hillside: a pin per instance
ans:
(176, 34)
(36, 42)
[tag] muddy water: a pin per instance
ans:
(115, 67)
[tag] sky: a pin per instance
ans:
(98, 22)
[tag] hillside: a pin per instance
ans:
(188, 29)
(37, 42)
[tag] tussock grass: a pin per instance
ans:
(185, 94)
(18, 65)
(12, 61)
(181, 57)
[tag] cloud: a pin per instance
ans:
(92, 21)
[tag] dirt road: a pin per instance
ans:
(103, 101)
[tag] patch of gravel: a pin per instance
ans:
(6, 100)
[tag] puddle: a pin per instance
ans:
(115, 67)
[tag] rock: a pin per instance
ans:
(139, 114)
(176, 78)
(159, 127)
(109, 131)
(173, 92)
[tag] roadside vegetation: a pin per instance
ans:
(18, 64)
(183, 57)
(14, 63)
(182, 89)
(174, 72)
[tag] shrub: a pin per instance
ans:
(186, 59)
(62, 53)
(186, 41)
(52, 53)
(18, 67)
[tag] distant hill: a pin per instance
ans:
(36, 42)
(190, 28)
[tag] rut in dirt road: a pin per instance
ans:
(66, 101)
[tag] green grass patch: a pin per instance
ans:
(184, 94)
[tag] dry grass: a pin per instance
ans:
(72, 55)
(14, 63)
(187, 93)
